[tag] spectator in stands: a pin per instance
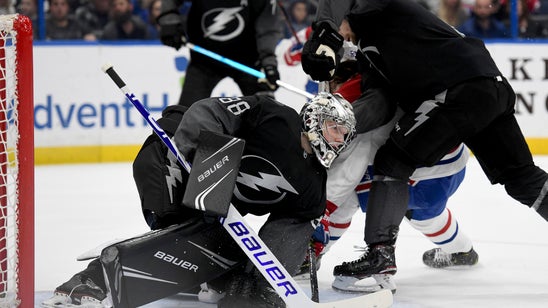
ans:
(154, 10)
(452, 12)
(541, 8)
(298, 17)
(6, 7)
(123, 24)
(482, 23)
(527, 27)
(94, 15)
(60, 24)
(504, 7)
(29, 8)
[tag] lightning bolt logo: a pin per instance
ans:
(174, 175)
(225, 16)
(268, 181)
(422, 111)
(262, 182)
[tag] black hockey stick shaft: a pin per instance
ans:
(315, 293)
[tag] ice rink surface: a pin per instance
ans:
(81, 206)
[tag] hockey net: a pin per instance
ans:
(16, 163)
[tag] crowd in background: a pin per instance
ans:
(93, 20)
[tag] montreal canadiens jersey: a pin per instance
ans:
(276, 174)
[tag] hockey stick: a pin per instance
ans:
(248, 240)
(313, 270)
(246, 69)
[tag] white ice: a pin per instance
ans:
(81, 206)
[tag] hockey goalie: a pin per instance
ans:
(281, 172)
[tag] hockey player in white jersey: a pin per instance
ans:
(350, 177)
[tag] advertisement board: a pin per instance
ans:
(81, 116)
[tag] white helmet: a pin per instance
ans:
(324, 107)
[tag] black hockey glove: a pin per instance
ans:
(172, 32)
(271, 76)
(321, 53)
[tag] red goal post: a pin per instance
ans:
(16, 162)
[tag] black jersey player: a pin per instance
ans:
(451, 91)
(244, 31)
(282, 173)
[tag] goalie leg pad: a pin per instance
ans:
(165, 262)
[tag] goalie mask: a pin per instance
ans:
(329, 124)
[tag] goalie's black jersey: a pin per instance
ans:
(276, 175)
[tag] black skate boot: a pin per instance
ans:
(79, 291)
(437, 258)
(250, 291)
(378, 262)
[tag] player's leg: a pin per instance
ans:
(168, 261)
(200, 80)
(503, 154)
(420, 138)
(429, 215)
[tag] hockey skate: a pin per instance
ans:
(245, 291)
(209, 295)
(372, 272)
(80, 292)
(437, 258)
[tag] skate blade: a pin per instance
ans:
(346, 284)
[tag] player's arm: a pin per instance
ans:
(224, 115)
(333, 11)
(267, 23)
(172, 31)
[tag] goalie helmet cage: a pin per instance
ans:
(16, 163)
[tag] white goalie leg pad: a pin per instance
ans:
(367, 285)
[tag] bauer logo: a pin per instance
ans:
(176, 261)
(218, 165)
(263, 259)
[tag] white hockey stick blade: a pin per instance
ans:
(96, 252)
(278, 277)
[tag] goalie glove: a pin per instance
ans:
(172, 32)
(320, 54)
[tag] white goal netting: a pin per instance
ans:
(14, 208)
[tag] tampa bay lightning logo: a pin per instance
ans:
(260, 182)
(223, 24)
